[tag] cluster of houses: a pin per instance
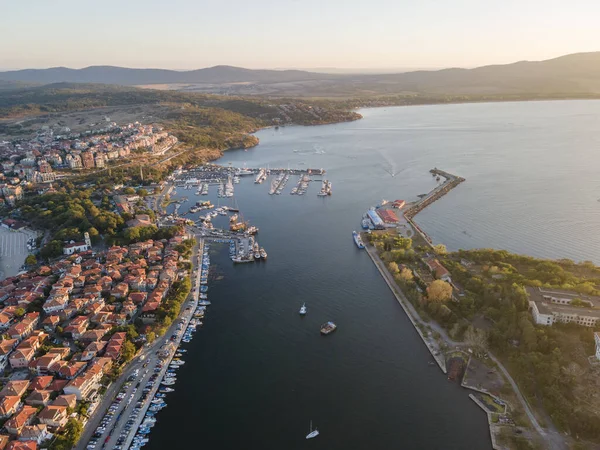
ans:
(58, 328)
(34, 160)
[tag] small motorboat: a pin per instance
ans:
(328, 327)
(303, 309)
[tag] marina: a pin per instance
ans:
(224, 178)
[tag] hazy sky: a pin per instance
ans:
(186, 34)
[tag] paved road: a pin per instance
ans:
(147, 355)
(552, 438)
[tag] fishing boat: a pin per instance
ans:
(312, 433)
(328, 327)
(357, 240)
(303, 309)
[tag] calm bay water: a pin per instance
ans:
(257, 372)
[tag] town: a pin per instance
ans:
(69, 329)
(50, 156)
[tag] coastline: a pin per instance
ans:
(441, 351)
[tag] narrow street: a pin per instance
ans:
(133, 391)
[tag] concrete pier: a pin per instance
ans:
(451, 182)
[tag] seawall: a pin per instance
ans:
(406, 306)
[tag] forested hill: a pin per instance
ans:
(67, 97)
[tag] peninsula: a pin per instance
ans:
(501, 325)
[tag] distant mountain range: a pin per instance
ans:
(577, 73)
(125, 76)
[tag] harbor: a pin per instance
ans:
(261, 308)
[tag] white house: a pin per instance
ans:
(77, 247)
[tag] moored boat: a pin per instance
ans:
(357, 240)
(328, 327)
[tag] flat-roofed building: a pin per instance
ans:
(551, 306)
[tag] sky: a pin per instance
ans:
(365, 34)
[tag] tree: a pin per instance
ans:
(151, 336)
(476, 337)
(19, 312)
(129, 191)
(142, 192)
(406, 274)
(94, 234)
(69, 436)
(393, 268)
(31, 260)
(440, 249)
(52, 249)
(439, 291)
(128, 351)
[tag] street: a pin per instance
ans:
(132, 392)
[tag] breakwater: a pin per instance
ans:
(451, 181)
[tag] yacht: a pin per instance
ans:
(243, 171)
(263, 253)
(312, 433)
(167, 390)
(303, 309)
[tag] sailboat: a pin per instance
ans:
(303, 309)
(312, 433)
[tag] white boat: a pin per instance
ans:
(312, 433)
(303, 309)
